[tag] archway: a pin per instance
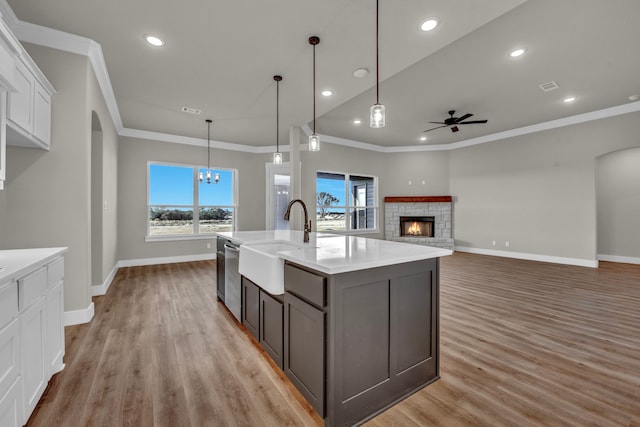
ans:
(96, 200)
(618, 205)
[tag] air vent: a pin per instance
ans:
(191, 110)
(549, 86)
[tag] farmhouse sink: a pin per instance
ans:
(260, 263)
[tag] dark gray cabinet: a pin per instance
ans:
(358, 342)
(304, 343)
(251, 307)
(263, 316)
(271, 326)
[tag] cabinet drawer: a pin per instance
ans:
(8, 303)
(9, 359)
(31, 287)
(55, 272)
(306, 285)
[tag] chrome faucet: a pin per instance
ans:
(307, 221)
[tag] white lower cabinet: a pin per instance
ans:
(11, 406)
(34, 375)
(31, 338)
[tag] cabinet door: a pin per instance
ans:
(11, 406)
(54, 339)
(251, 307)
(304, 352)
(19, 103)
(271, 327)
(32, 330)
(41, 114)
(9, 356)
(3, 137)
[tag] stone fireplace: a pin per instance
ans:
(423, 220)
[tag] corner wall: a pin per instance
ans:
(536, 191)
(47, 192)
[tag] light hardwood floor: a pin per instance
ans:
(522, 344)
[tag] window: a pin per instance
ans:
(345, 202)
(180, 205)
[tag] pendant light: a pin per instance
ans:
(277, 156)
(201, 176)
(376, 113)
(314, 140)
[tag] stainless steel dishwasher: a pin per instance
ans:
(232, 283)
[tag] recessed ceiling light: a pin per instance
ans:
(517, 52)
(429, 24)
(569, 99)
(154, 40)
(357, 121)
(423, 138)
(326, 93)
(360, 73)
(634, 97)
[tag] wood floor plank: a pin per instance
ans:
(522, 344)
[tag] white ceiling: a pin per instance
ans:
(220, 57)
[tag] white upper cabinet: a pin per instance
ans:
(29, 108)
(25, 99)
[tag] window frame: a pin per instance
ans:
(348, 207)
(196, 235)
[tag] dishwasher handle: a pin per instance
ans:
(231, 248)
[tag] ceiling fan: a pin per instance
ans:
(454, 121)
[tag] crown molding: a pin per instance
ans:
(60, 40)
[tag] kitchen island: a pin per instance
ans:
(356, 325)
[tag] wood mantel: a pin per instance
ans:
(417, 199)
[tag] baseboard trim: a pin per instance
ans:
(101, 289)
(165, 260)
(531, 257)
(78, 317)
(617, 258)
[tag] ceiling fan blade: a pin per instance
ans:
(438, 123)
(472, 122)
(465, 117)
(435, 128)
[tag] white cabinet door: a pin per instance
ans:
(20, 102)
(9, 356)
(42, 115)
(3, 137)
(34, 374)
(54, 341)
(11, 407)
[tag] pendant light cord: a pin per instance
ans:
(277, 116)
(314, 88)
(208, 144)
(377, 61)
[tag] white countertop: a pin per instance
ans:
(333, 253)
(16, 262)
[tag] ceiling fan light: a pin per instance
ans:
(376, 116)
(314, 142)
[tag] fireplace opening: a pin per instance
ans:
(416, 226)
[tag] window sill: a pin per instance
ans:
(351, 232)
(151, 239)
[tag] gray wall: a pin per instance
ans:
(47, 198)
(618, 195)
(133, 156)
(394, 171)
(536, 191)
